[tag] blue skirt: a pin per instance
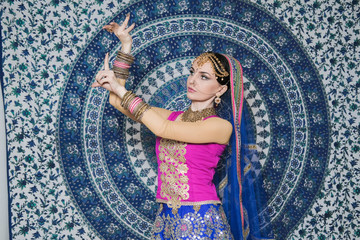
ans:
(207, 221)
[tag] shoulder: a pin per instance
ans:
(219, 124)
(220, 128)
(217, 119)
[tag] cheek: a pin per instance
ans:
(211, 87)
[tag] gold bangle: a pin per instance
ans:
(120, 69)
(125, 98)
(141, 110)
(129, 100)
(124, 56)
(123, 76)
(138, 110)
(140, 115)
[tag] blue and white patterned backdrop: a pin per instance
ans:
(77, 169)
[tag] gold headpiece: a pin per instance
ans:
(217, 65)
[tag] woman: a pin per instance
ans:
(189, 143)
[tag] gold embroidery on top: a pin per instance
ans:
(173, 170)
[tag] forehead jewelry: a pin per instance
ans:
(215, 62)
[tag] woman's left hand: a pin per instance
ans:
(121, 31)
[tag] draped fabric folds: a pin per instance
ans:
(243, 199)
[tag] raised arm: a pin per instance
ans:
(214, 130)
(123, 34)
(115, 101)
(211, 130)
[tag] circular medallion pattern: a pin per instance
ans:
(109, 160)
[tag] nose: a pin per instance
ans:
(191, 79)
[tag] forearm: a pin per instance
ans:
(126, 47)
(115, 101)
(212, 130)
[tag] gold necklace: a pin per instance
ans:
(194, 116)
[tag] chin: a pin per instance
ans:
(188, 95)
(193, 99)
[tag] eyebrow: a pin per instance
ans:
(192, 68)
(205, 73)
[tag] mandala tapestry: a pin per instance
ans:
(79, 169)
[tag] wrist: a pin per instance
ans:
(118, 89)
(126, 47)
(121, 91)
(135, 105)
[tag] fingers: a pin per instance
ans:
(106, 62)
(103, 76)
(96, 84)
(113, 26)
(99, 76)
(125, 23)
(106, 72)
(130, 28)
(106, 76)
(109, 28)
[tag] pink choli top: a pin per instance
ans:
(186, 171)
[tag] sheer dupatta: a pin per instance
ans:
(244, 202)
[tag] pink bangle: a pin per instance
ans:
(121, 64)
(134, 103)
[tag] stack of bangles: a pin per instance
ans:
(122, 64)
(134, 104)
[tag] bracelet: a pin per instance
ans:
(124, 52)
(134, 104)
(142, 109)
(122, 64)
(121, 75)
(127, 97)
(121, 72)
(126, 57)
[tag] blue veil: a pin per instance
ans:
(239, 181)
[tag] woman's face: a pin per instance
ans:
(202, 84)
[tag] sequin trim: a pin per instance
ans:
(202, 224)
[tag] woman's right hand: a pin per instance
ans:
(106, 79)
(122, 32)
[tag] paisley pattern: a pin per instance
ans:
(78, 169)
(173, 172)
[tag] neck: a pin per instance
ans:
(198, 106)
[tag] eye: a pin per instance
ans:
(191, 72)
(203, 77)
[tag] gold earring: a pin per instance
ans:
(217, 100)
